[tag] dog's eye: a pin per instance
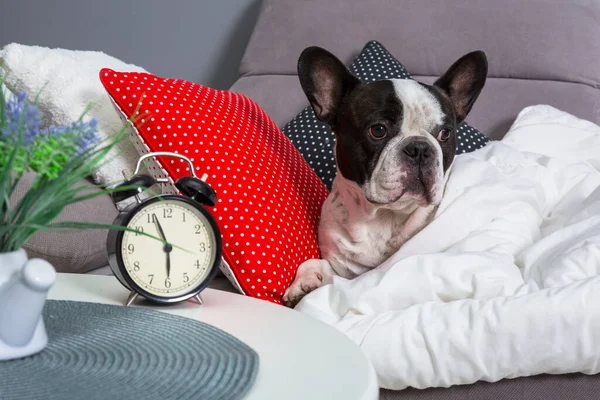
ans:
(378, 131)
(443, 135)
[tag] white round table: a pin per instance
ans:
(300, 358)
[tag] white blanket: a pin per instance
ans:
(504, 282)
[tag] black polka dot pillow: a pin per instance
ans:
(269, 199)
(315, 140)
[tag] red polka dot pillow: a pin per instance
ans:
(269, 199)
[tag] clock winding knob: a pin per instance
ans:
(197, 190)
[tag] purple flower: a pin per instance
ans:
(19, 111)
(56, 131)
(23, 123)
(87, 134)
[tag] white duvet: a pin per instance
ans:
(504, 282)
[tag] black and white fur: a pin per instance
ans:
(395, 144)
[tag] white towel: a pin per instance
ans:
(67, 82)
(7, 93)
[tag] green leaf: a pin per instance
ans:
(57, 182)
(68, 226)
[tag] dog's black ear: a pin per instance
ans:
(325, 81)
(463, 82)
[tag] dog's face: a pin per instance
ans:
(394, 138)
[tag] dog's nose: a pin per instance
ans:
(418, 150)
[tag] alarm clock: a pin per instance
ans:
(188, 255)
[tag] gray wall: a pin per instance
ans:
(197, 40)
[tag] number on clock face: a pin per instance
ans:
(190, 257)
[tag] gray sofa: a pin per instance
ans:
(540, 52)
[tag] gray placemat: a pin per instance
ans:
(98, 351)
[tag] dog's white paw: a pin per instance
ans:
(310, 276)
(300, 288)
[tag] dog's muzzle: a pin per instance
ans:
(409, 170)
(419, 152)
(420, 161)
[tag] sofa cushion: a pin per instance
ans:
(269, 200)
(539, 51)
(535, 39)
(315, 139)
(279, 95)
(73, 251)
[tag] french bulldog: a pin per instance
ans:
(395, 145)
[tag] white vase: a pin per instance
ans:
(24, 286)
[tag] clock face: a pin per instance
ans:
(178, 267)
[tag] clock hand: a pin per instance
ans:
(167, 248)
(160, 229)
(168, 260)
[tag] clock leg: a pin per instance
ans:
(131, 298)
(197, 299)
